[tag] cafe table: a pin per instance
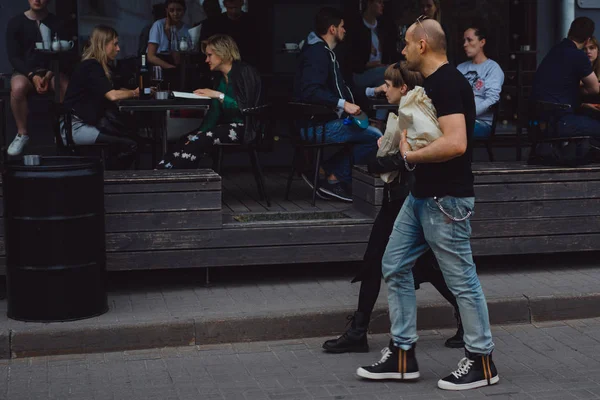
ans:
(159, 109)
(381, 103)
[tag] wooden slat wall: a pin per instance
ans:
(521, 209)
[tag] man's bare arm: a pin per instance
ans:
(590, 84)
(452, 144)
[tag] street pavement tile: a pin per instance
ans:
(550, 361)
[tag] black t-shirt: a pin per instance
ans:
(86, 92)
(558, 76)
(21, 35)
(450, 93)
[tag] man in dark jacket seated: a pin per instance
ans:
(319, 81)
(565, 74)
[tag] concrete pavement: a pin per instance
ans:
(149, 310)
(551, 361)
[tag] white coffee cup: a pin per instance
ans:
(66, 45)
(39, 45)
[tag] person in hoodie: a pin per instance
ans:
(319, 80)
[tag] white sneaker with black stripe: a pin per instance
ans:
(474, 371)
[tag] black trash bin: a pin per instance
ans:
(54, 239)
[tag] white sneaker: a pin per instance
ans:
(17, 145)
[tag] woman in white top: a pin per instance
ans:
(484, 75)
(165, 31)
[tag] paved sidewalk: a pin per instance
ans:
(177, 309)
(550, 361)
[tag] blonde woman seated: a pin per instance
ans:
(237, 87)
(91, 97)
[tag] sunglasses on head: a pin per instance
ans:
(419, 21)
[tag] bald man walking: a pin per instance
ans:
(436, 215)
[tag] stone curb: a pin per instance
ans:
(52, 339)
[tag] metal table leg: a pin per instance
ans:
(56, 72)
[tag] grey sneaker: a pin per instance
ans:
(17, 145)
(310, 184)
(337, 190)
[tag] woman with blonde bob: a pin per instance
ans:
(398, 81)
(237, 86)
(91, 96)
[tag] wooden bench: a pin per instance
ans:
(174, 219)
(519, 209)
(146, 210)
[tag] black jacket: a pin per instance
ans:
(318, 77)
(358, 43)
(398, 189)
(247, 89)
(21, 36)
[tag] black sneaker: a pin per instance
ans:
(337, 190)
(395, 363)
(309, 182)
(474, 371)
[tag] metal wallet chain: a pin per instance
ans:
(450, 216)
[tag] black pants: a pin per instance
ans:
(191, 147)
(426, 268)
(122, 151)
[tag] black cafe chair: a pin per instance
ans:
(67, 145)
(263, 119)
(302, 117)
(543, 120)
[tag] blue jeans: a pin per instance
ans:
(482, 130)
(578, 125)
(365, 144)
(421, 225)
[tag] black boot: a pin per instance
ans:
(354, 340)
(457, 341)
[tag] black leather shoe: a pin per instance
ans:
(354, 340)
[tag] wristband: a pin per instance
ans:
(406, 163)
